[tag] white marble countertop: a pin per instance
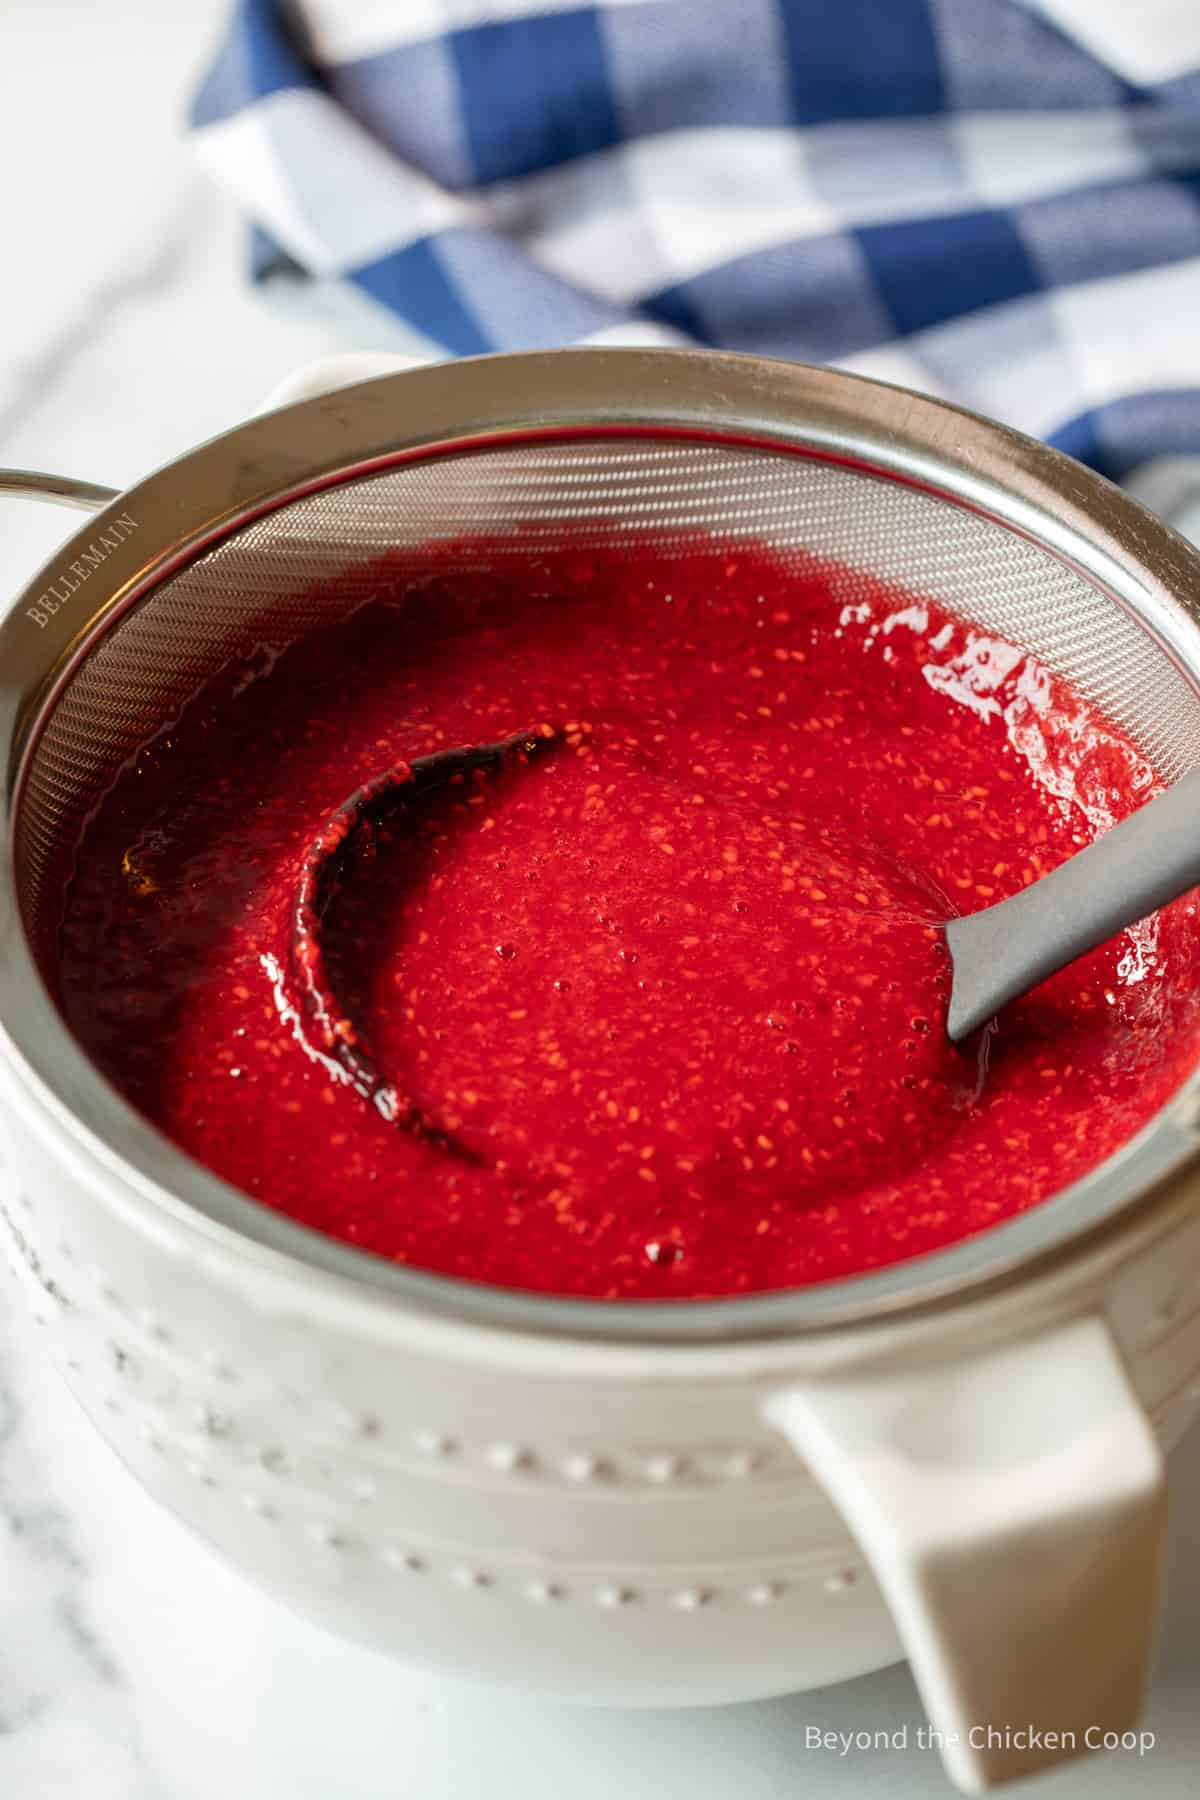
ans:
(133, 1665)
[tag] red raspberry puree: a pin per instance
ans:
(674, 991)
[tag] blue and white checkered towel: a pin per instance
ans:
(997, 201)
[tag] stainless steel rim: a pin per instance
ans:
(171, 517)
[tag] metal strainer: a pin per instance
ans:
(256, 537)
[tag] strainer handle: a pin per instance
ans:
(1011, 1504)
(60, 490)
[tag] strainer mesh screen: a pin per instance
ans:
(312, 558)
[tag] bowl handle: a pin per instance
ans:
(322, 377)
(1011, 1505)
(329, 373)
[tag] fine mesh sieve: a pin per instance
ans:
(316, 557)
(278, 528)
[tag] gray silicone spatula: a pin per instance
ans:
(1146, 860)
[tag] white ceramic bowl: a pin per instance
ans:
(960, 1460)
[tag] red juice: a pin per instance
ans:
(678, 989)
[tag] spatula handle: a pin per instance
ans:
(1146, 860)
